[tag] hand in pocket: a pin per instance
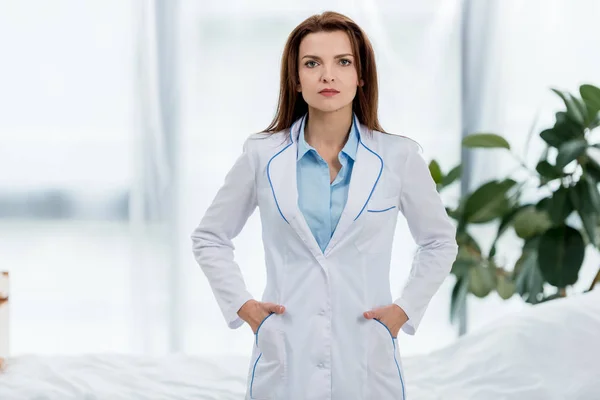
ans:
(392, 316)
(254, 312)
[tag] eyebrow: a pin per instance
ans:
(319, 58)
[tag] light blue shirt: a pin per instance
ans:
(320, 201)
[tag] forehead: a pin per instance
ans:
(324, 44)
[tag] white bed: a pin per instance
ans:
(550, 351)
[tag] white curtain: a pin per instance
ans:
(153, 203)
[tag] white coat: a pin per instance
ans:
(322, 347)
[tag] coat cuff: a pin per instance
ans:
(233, 319)
(409, 326)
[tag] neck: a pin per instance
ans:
(328, 130)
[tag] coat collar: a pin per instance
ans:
(281, 171)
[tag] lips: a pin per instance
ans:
(329, 92)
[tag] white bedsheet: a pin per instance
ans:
(550, 351)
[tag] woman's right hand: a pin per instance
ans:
(254, 312)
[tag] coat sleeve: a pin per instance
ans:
(433, 232)
(212, 243)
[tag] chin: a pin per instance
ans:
(329, 106)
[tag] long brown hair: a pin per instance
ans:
(291, 104)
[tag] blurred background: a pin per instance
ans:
(119, 120)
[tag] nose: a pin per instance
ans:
(327, 76)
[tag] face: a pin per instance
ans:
(327, 71)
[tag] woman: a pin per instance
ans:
(329, 184)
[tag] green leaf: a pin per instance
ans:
(482, 280)
(591, 96)
(435, 171)
(552, 137)
(575, 111)
(592, 168)
(567, 128)
(592, 192)
(454, 214)
(529, 281)
(530, 222)
(505, 287)
(569, 151)
(543, 203)
(560, 255)
(488, 202)
(560, 206)
(458, 299)
(453, 175)
(469, 243)
(582, 202)
(485, 140)
(505, 223)
(461, 266)
(548, 170)
(564, 129)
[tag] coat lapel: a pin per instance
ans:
(366, 172)
(281, 172)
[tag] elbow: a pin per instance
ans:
(443, 249)
(204, 239)
(442, 239)
(447, 246)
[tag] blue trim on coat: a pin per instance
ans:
(260, 355)
(259, 325)
(269, 173)
(378, 176)
(254, 370)
(398, 367)
(394, 339)
(384, 210)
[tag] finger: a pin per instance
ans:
(272, 307)
(371, 314)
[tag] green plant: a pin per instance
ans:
(555, 229)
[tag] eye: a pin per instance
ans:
(345, 61)
(311, 64)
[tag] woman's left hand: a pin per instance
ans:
(391, 316)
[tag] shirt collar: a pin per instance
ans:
(349, 148)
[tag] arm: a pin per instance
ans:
(212, 239)
(433, 232)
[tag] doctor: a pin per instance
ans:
(329, 184)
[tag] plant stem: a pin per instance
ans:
(522, 164)
(596, 279)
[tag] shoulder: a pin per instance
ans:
(396, 143)
(266, 142)
(397, 152)
(261, 147)
(396, 149)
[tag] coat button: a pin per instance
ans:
(321, 365)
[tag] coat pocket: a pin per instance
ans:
(268, 371)
(377, 225)
(385, 379)
(382, 205)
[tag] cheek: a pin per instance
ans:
(307, 75)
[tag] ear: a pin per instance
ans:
(298, 88)
(361, 83)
